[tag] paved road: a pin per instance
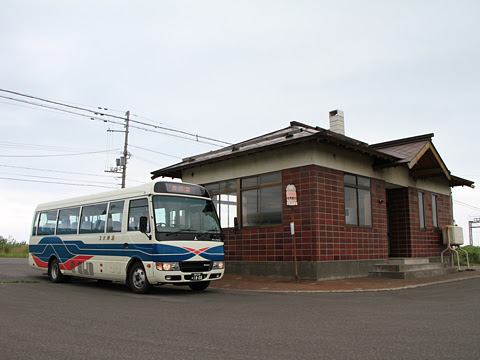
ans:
(84, 319)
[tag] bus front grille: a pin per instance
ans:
(195, 266)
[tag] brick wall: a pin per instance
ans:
(428, 242)
(320, 231)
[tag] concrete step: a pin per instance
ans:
(410, 268)
(405, 261)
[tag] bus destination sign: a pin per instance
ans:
(179, 188)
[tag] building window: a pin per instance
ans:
(261, 200)
(224, 196)
(358, 200)
(435, 211)
(421, 210)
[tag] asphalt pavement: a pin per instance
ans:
(268, 284)
(238, 317)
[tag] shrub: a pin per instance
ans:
(9, 247)
(473, 255)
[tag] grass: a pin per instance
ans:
(473, 255)
(12, 249)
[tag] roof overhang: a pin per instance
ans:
(416, 153)
(295, 134)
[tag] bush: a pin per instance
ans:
(9, 247)
(473, 255)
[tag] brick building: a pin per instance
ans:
(358, 204)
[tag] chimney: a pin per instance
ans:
(337, 122)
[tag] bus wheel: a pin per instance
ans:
(137, 279)
(54, 272)
(199, 286)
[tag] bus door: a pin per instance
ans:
(139, 242)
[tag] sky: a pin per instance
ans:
(229, 71)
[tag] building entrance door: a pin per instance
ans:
(398, 222)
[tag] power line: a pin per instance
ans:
(96, 113)
(56, 171)
(53, 178)
(57, 155)
(467, 205)
(194, 138)
(153, 151)
(12, 145)
(57, 182)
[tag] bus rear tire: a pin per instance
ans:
(199, 286)
(137, 279)
(54, 272)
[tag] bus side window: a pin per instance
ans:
(137, 209)
(68, 220)
(93, 219)
(35, 224)
(47, 222)
(115, 216)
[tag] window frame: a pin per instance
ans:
(358, 187)
(435, 212)
(94, 229)
(129, 212)
(422, 218)
(238, 187)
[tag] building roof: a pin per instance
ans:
(421, 157)
(418, 153)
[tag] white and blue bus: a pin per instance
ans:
(153, 234)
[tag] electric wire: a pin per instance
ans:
(194, 138)
(96, 113)
(55, 178)
(156, 152)
(12, 145)
(467, 205)
(57, 182)
(57, 155)
(55, 171)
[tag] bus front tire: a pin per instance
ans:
(137, 279)
(199, 286)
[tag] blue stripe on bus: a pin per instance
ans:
(67, 250)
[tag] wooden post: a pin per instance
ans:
(292, 230)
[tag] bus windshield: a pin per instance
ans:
(182, 218)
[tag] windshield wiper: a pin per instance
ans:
(179, 231)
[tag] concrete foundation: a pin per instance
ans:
(321, 270)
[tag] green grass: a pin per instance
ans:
(12, 249)
(473, 255)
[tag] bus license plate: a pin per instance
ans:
(196, 277)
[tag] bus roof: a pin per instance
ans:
(157, 187)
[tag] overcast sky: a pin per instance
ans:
(228, 70)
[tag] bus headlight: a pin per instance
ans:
(168, 266)
(218, 265)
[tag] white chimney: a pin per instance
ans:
(337, 121)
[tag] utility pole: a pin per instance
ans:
(125, 149)
(121, 162)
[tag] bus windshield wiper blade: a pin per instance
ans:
(179, 231)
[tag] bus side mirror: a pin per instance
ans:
(144, 226)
